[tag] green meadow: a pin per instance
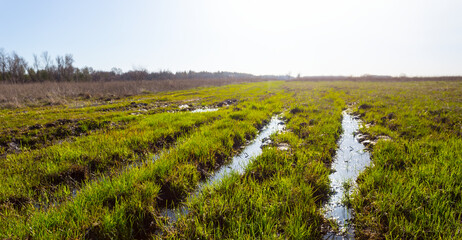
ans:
(108, 168)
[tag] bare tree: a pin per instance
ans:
(3, 63)
(68, 68)
(47, 62)
(17, 68)
(37, 63)
(86, 73)
(59, 68)
(116, 71)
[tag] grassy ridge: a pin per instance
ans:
(23, 129)
(280, 194)
(86, 156)
(413, 189)
(39, 126)
(118, 206)
(73, 163)
(93, 108)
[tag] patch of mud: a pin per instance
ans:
(143, 225)
(365, 106)
(368, 141)
(140, 108)
(130, 106)
(214, 107)
(296, 110)
(226, 103)
(15, 202)
(168, 196)
(267, 142)
(72, 176)
(42, 135)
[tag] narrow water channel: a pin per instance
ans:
(252, 150)
(237, 164)
(350, 159)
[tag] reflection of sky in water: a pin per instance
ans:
(252, 150)
(350, 159)
(199, 110)
(238, 164)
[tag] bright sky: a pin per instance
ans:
(331, 37)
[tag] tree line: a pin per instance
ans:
(15, 69)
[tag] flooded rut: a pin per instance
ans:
(350, 159)
(238, 164)
(252, 150)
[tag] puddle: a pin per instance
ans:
(200, 110)
(350, 159)
(182, 108)
(252, 150)
(238, 164)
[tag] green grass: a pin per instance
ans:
(79, 160)
(280, 194)
(85, 169)
(165, 181)
(413, 189)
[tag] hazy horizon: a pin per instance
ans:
(416, 38)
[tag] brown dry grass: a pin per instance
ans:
(55, 93)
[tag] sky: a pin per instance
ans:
(311, 38)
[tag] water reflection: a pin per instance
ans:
(238, 164)
(350, 159)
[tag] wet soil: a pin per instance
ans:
(39, 136)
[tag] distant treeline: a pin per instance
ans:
(377, 78)
(15, 69)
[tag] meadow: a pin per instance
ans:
(106, 167)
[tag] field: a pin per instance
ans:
(104, 167)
